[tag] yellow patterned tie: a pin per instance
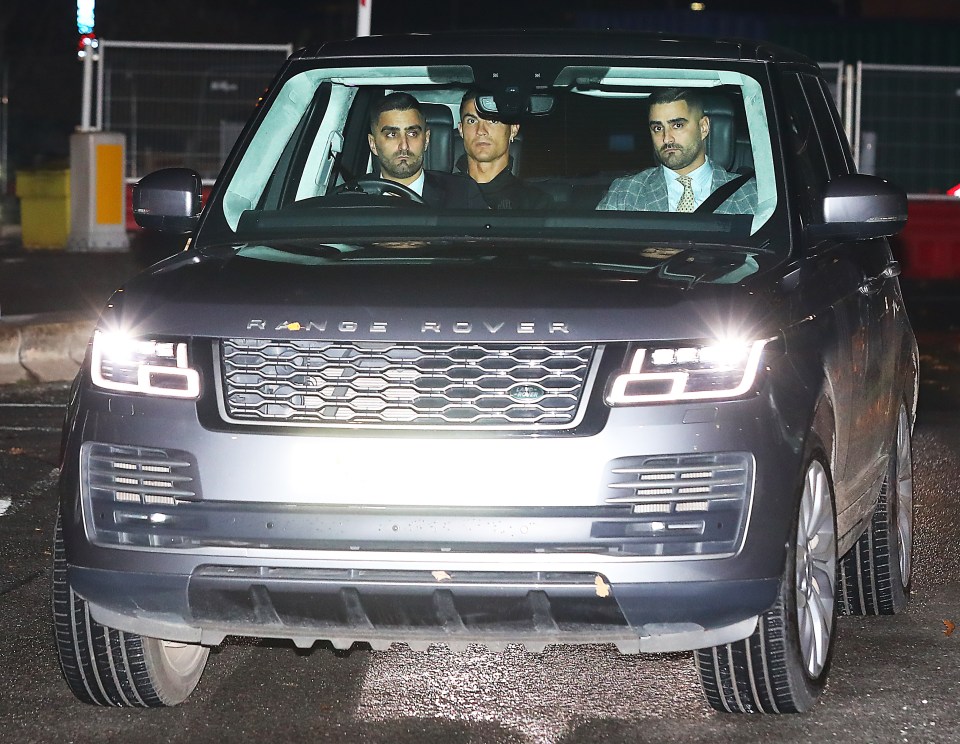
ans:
(686, 203)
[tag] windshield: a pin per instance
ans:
(616, 155)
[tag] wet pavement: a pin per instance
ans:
(53, 280)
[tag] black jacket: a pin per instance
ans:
(506, 191)
(451, 191)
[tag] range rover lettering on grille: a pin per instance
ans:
(428, 326)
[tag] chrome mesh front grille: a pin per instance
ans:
(326, 383)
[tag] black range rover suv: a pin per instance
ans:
(344, 415)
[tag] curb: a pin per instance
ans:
(47, 347)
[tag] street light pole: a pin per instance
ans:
(364, 11)
(86, 100)
(86, 50)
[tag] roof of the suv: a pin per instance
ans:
(554, 42)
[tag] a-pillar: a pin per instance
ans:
(97, 192)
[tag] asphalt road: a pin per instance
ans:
(39, 281)
(893, 678)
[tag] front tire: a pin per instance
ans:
(875, 573)
(103, 666)
(783, 666)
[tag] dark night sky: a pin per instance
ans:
(38, 40)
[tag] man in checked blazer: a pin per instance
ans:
(679, 129)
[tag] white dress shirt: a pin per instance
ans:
(701, 181)
(418, 184)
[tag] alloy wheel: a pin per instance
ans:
(816, 569)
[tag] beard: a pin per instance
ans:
(398, 169)
(678, 157)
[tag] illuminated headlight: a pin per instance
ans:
(688, 372)
(143, 366)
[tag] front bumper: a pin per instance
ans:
(382, 608)
(404, 565)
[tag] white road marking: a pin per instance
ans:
(4, 505)
(43, 429)
(33, 405)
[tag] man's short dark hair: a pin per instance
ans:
(470, 94)
(398, 101)
(692, 97)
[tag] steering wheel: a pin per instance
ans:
(380, 187)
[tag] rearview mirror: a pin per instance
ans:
(512, 103)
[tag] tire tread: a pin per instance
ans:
(870, 570)
(101, 665)
(760, 674)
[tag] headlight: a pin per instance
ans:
(143, 366)
(687, 372)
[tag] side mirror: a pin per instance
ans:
(168, 200)
(858, 206)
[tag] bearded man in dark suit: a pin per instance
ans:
(398, 139)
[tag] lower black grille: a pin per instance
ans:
(142, 496)
(692, 503)
(140, 475)
(610, 530)
(381, 608)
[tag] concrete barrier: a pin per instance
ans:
(43, 348)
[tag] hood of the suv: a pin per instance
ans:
(689, 293)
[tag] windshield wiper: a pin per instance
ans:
(307, 249)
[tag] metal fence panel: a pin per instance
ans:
(911, 115)
(184, 104)
(181, 104)
(903, 122)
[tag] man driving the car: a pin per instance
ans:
(398, 139)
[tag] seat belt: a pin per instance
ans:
(725, 191)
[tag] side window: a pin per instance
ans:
(832, 136)
(809, 172)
